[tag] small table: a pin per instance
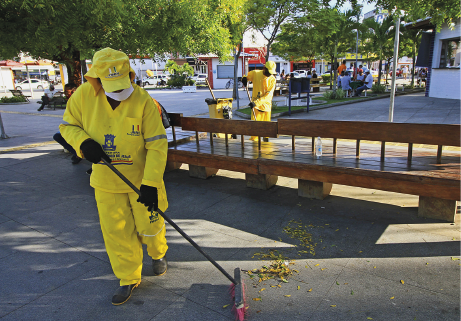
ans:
(355, 84)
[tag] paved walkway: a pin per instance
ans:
(374, 258)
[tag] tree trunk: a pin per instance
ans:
(267, 51)
(235, 94)
(74, 72)
(379, 72)
(336, 70)
(413, 65)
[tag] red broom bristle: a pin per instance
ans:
(241, 312)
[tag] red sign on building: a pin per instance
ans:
(258, 56)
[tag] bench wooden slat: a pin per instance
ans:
(433, 134)
(226, 126)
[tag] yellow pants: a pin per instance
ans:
(126, 225)
(260, 116)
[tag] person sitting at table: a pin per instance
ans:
(338, 81)
(360, 77)
(309, 74)
(346, 83)
(314, 74)
(367, 85)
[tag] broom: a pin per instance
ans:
(237, 287)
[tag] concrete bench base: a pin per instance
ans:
(437, 208)
(313, 189)
(171, 166)
(201, 171)
(261, 181)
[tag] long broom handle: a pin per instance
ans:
(176, 227)
(248, 93)
(209, 87)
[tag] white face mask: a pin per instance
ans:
(124, 94)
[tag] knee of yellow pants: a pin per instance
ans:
(150, 227)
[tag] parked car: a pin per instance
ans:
(199, 78)
(295, 74)
(302, 73)
(35, 83)
(154, 80)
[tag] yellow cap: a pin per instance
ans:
(270, 65)
(112, 67)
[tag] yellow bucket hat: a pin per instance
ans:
(112, 67)
(270, 65)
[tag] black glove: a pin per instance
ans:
(252, 105)
(149, 197)
(93, 152)
(244, 81)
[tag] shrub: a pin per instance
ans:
(179, 81)
(339, 94)
(378, 89)
(12, 100)
(326, 78)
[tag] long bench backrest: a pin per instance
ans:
(234, 127)
(432, 134)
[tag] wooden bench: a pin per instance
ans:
(206, 157)
(18, 93)
(422, 172)
(434, 179)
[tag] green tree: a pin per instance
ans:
(440, 11)
(324, 32)
(68, 31)
(411, 38)
(267, 16)
(379, 36)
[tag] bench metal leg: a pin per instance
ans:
(313, 189)
(171, 166)
(261, 181)
(201, 171)
(437, 208)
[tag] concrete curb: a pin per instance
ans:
(18, 103)
(314, 107)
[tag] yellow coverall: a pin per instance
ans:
(133, 136)
(263, 91)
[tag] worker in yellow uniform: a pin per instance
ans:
(263, 89)
(111, 118)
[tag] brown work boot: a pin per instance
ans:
(160, 266)
(123, 293)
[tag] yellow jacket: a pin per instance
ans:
(263, 89)
(132, 135)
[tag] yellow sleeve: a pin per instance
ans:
(156, 143)
(250, 76)
(72, 127)
(264, 103)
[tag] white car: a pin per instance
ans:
(302, 73)
(153, 81)
(295, 74)
(199, 78)
(35, 83)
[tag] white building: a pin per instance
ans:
(440, 53)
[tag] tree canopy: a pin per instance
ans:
(67, 31)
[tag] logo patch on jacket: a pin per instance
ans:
(134, 131)
(109, 143)
(153, 217)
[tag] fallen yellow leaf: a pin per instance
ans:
(374, 267)
(455, 258)
(310, 290)
(256, 299)
(402, 281)
(261, 290)
(392, 298)
(369, 318)
(273, 286)
(299, 287)
(225, 306)
(317, 265)
(287, 295)
(279, 285)
(360, 251)
(333, 305)
(323, 269)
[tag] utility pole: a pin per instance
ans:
(394, 66)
